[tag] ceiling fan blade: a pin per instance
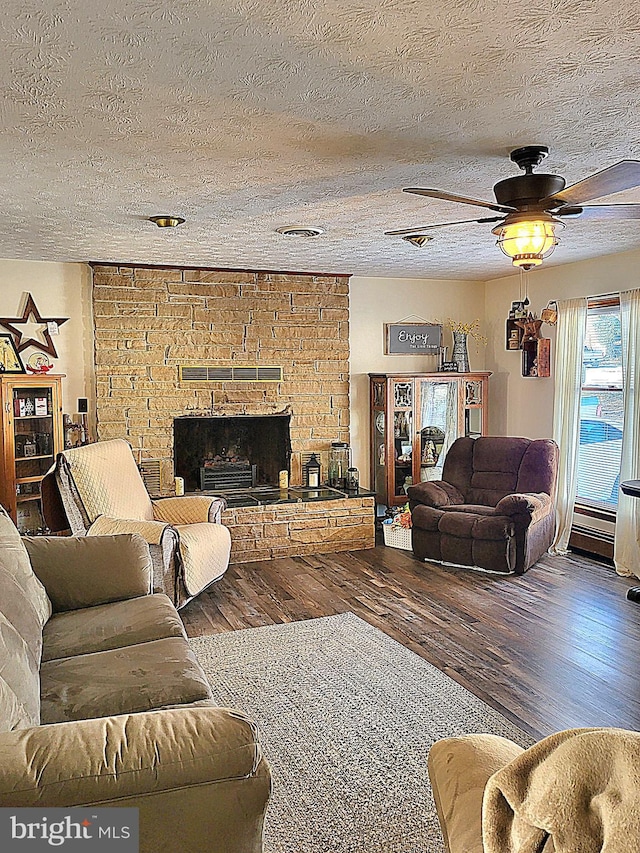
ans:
(501, 208)
(602, 211)
(624, 175)
(406, 232)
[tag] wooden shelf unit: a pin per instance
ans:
(30, 443)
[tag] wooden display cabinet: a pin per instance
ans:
(414, 420)
(32, 435)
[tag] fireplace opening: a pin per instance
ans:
(241, 451)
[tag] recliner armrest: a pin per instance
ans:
(82, 571)
(188, 509)
(436, 493)
(529, 506)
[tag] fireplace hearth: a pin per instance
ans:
(226, 452)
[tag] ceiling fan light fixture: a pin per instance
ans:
(418, 240)
(527, 238)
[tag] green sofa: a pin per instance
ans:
(102, 702)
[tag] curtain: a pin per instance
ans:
(440, 409)
(572, 321)
(626, 549)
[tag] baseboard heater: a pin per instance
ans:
(210, 373)
(592, 541)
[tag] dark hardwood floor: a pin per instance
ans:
(555, 648)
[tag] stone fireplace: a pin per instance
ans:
(152, 322)
(231, 452)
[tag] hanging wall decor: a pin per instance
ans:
(49, 323)
(405, 338)
(10, 361)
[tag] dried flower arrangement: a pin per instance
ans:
(469, 329)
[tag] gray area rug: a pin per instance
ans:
(347, 716)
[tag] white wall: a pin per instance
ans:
(376, 301)
(524, 406)
(59, 290)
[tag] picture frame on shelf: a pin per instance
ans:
(10, 361)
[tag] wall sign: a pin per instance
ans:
(413, 338)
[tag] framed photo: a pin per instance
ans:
(413, 338)
(10, 361)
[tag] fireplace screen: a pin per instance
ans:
(219, 453)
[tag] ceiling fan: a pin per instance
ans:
(531, 204)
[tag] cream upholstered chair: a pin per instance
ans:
(101, 492)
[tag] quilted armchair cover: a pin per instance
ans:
(103, 493)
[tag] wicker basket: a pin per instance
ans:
(397, 537)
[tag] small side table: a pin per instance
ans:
(632, 488)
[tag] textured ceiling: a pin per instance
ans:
(246, 116)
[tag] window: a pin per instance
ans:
(601, 407)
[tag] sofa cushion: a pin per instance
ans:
(472, 526)
(496, 463)
(111, 626)
(122, 681)
(81, 572)
(14, 556)
(24, 608)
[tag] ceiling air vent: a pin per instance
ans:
(204, 373)
(300, 231)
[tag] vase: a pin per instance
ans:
(460, 352)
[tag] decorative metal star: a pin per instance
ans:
(10, 323)
(531, 328)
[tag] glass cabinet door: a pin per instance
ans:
(402, 437)
(34, 447)
(473, 408)
(379, 440)
(439, 424)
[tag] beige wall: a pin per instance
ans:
(376, 301)
(524, 406)
(518, 406)
(59, 290)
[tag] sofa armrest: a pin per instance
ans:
(196, 774)
(436, 493)
(83, 571)
(188, 509)
(529, 507)
(459, 769)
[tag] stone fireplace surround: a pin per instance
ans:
(151, 320)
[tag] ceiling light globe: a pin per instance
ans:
(527, 241)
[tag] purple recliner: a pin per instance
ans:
(494, 507)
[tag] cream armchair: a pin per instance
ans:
(98, 490)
